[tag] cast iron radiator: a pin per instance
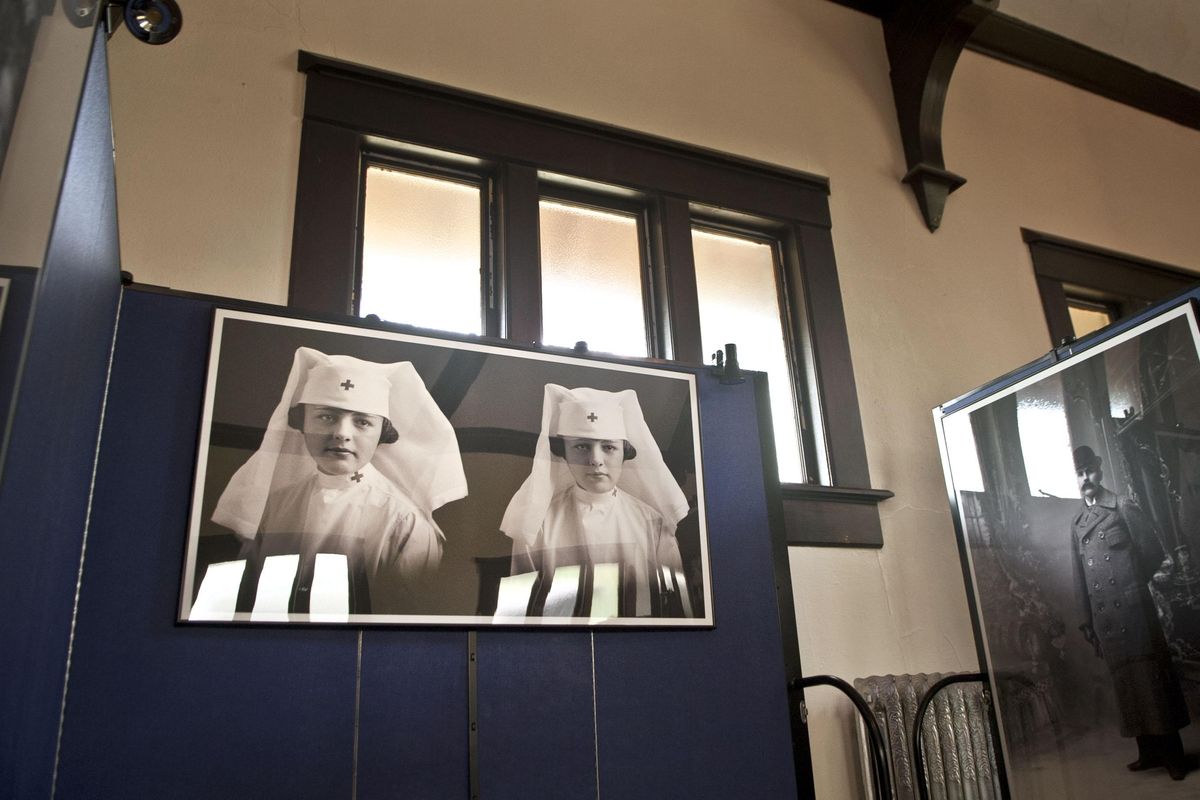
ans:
(959, 754)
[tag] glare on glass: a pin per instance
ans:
(421, 251)
(606, 591)
(739, 303)
(217, 597)
(591, 279)
(1046, 440)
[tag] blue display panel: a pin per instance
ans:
(156, 710)
(706, 715)
(536, 727)
(160, 709)
(46, 463)
(412, 738)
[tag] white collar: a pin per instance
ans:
(343, 482)
(591, 499)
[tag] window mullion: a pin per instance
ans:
(803, 386)
(325, 231)
(655, 310)
(816, 275)
(490, 288)
(519, 253)
(678, 305)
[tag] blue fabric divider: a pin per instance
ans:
(159, 709)
(704, 714)
(46, 467)
(412, 739)
(536, 728)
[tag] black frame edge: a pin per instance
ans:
(784, 594)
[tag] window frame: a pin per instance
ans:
(1124, 283)
(349, 109)
(791, 321)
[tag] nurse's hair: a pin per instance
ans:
(388, 435)
(558, 447)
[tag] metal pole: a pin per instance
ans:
(879, 759)
(922, 707)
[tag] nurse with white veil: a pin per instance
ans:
(599, 493)
(355, 459)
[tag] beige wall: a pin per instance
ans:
(37, 150)
(801, 83)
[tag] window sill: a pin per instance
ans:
(832, 516)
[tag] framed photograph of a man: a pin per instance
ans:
(1075, 485)
(357, 476)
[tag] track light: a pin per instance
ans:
(153, 21)
(150, 21)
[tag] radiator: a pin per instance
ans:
(959, 754)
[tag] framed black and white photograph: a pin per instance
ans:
(357, 476)
(1075, 486)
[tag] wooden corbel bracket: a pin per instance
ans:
(924, 39)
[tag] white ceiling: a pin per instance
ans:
(1162, 36)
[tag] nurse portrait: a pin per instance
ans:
(335, 509)
(598, 494)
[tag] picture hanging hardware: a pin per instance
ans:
(727, 368)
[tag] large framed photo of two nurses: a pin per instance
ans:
(1075, 484)
(356, 476)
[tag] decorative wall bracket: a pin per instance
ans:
(924, 39)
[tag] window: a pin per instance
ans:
(1088, 316)
(591, 268)
(1085, 288)
(551, 230)
(738, 286)
(421, 259)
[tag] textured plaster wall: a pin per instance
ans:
(207, 136)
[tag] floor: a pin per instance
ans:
(1092, 766)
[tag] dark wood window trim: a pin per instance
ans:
(350, 108)
(1016, 42)
(1122, 282)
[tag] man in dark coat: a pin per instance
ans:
(1113, 545)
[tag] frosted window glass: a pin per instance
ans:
(421, 251)
(739, 303)
(1046, 440)
(964, 457)
(1085, 319)
(591, 279)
